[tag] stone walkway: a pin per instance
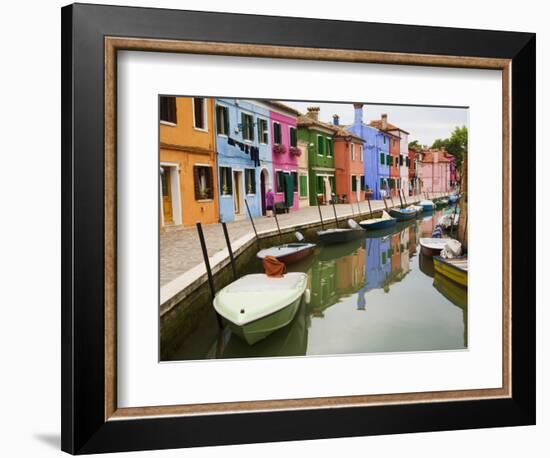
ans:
(180, 248)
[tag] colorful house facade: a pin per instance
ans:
(303, 174)
(434, 171)
(244, 158)
(349, 164)
(285, 154)
(188, 187)
(318, 136)
(375, 151)
(414, 183)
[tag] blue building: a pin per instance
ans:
(244, 157)
(377, 152)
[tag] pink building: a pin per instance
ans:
(434, 171)
(284, 142)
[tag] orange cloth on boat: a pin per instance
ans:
(273, 267)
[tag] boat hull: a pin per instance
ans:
(260, 329)
(450, 271)
(383, 224)
(401, 215)
(428, 208)
(344, 236)
(430, 252)
(290, 258)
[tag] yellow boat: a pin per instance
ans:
(455, 269)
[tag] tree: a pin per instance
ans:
(456, 144)
(414, 145)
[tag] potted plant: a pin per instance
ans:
(295, 151)
(279, 149)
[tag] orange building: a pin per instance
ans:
(350, 166)
(188, 186)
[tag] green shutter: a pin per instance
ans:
(382, 158)
(303, 186)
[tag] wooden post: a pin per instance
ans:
(400, 200)
(208, 270)
(334, 209)
(385, 203)
(320, 215)
(228, 243)
(370, 208)
(405, 199)
(278, 228)
(252, 221)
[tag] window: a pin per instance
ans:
(400, 160)
(407, 162)
(382, 184)
(352, 147)
(320, 145)
(294, 181)
(384, 139)
(168, 110)
(279, 178)
(362, 183)
(222, 120)
(303, 185)
(293, 137)
(248, 126)
(263, 134)
(353, 183)
(389, 160)
(204, 188)
(199, 113)
(226, 182)
(330, 150)
(276, 133)
(382, 158)
(361, 153)
(250, 181)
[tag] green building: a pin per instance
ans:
(318, 136)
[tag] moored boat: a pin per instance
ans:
(374, 224)
(338, 235)
(402, 214)
(430, 246)
(442, 203)
(456, 269)
(289, 252)
(256, 305)
(427, 205)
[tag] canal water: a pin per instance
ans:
(377, 294)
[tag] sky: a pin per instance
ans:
(424, 124)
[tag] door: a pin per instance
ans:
(263, 184)
(167, 196)
(237, 179)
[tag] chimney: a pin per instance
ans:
(335, 119)
(358, 113)
(313, 113)
(384, 121)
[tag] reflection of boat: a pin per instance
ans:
(257, 305)
(432, 246)
(402, 214)
(378, 223)
(330, 252)
(289, 252)
(456, 293)
(453, 198)
(455, 269)
(288, 341)
(426, 265)
(337, 235)
(441, 203)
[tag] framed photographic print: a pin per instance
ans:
(285, 228)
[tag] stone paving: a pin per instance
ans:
(180, 247)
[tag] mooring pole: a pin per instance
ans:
(404, 198)
(334, 209)
(370, 208)
(208, 270)
(228, 243)
(385, 203)
(320, 215)
(252, 221)
(400, 200)
(278, 228)
(391, 198)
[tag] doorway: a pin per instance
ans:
(166, 187)
(238, 200)
(264, 180)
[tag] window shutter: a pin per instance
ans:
(225, 120)
(196, 182)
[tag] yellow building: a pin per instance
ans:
(188, 185)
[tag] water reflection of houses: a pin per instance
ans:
(350, 273)
(323, 287)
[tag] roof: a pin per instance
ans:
(306, 121)
(389, 126)
(342, 132)
(282, 106)
(429, 156)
